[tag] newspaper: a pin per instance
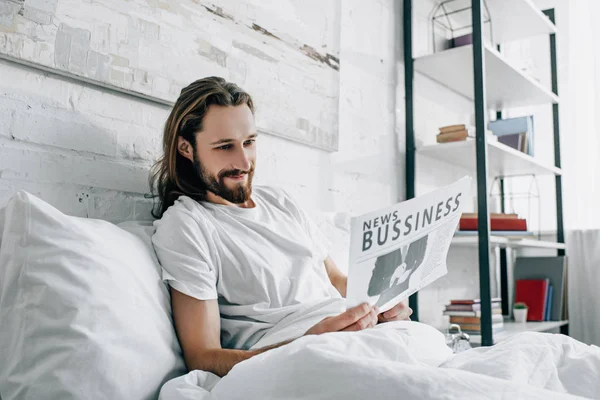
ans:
(400, 249)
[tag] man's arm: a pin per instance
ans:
(337, 277)
(198, 327)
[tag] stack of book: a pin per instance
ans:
(460, 133)
(500, 224)
(467, 314)
(454, 133)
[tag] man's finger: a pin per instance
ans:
(394, 311)
(398, 313)
(348, 318)
(368, 321)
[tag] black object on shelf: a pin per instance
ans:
(453, 18)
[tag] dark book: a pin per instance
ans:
(474, 301)
(514, 140)
(463, 40)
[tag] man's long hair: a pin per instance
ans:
(174, 175)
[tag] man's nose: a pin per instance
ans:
(242, 160)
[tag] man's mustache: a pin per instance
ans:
(235, 172)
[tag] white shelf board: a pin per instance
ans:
(512, 328)
(511, 19)
(507, 242)
(505, 85)
(517, 19)
(502, 160)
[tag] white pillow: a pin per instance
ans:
(84, 313)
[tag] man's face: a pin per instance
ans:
(225, 153)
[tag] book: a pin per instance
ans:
(455, 136)
(469, 307)
(476, 335)
(474, 301)
(470, 313)
(474, 320)
(534, 293)
(553, 268)
(565, 303)
(522, 127)
(462, 40)
(492, 215)
(513, 140)
(507, 126)
(509, 234)
(452, 128)
(548, 303)
(496, 224)
(477, 327)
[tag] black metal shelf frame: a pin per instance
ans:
(480, 110)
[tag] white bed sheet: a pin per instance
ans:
(403, 360)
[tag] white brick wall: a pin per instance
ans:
(87, 150)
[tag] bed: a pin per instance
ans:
(84, 314)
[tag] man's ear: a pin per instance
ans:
(185, 148)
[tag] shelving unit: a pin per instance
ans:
(511, 328)
(481, 74)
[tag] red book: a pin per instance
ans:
(496, 224)
(532, 292)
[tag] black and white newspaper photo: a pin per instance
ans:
(400, 249)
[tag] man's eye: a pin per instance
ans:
(224, 147)
(249, 142)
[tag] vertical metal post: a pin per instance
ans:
(481, 160)
(503, 259)
(560, 230)
(503, 255)
(555, 120)
(413, 301)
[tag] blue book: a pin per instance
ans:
(512, 126)
(548, 310)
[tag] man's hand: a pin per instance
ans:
(354, 319)
(400, 312)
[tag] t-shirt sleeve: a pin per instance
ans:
(182, 247)
(321, 243)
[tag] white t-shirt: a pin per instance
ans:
(263, 264)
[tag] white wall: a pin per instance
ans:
(87, 150)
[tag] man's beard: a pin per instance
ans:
(238, 195)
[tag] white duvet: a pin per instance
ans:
(403, 360)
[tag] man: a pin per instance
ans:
(248, 270)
